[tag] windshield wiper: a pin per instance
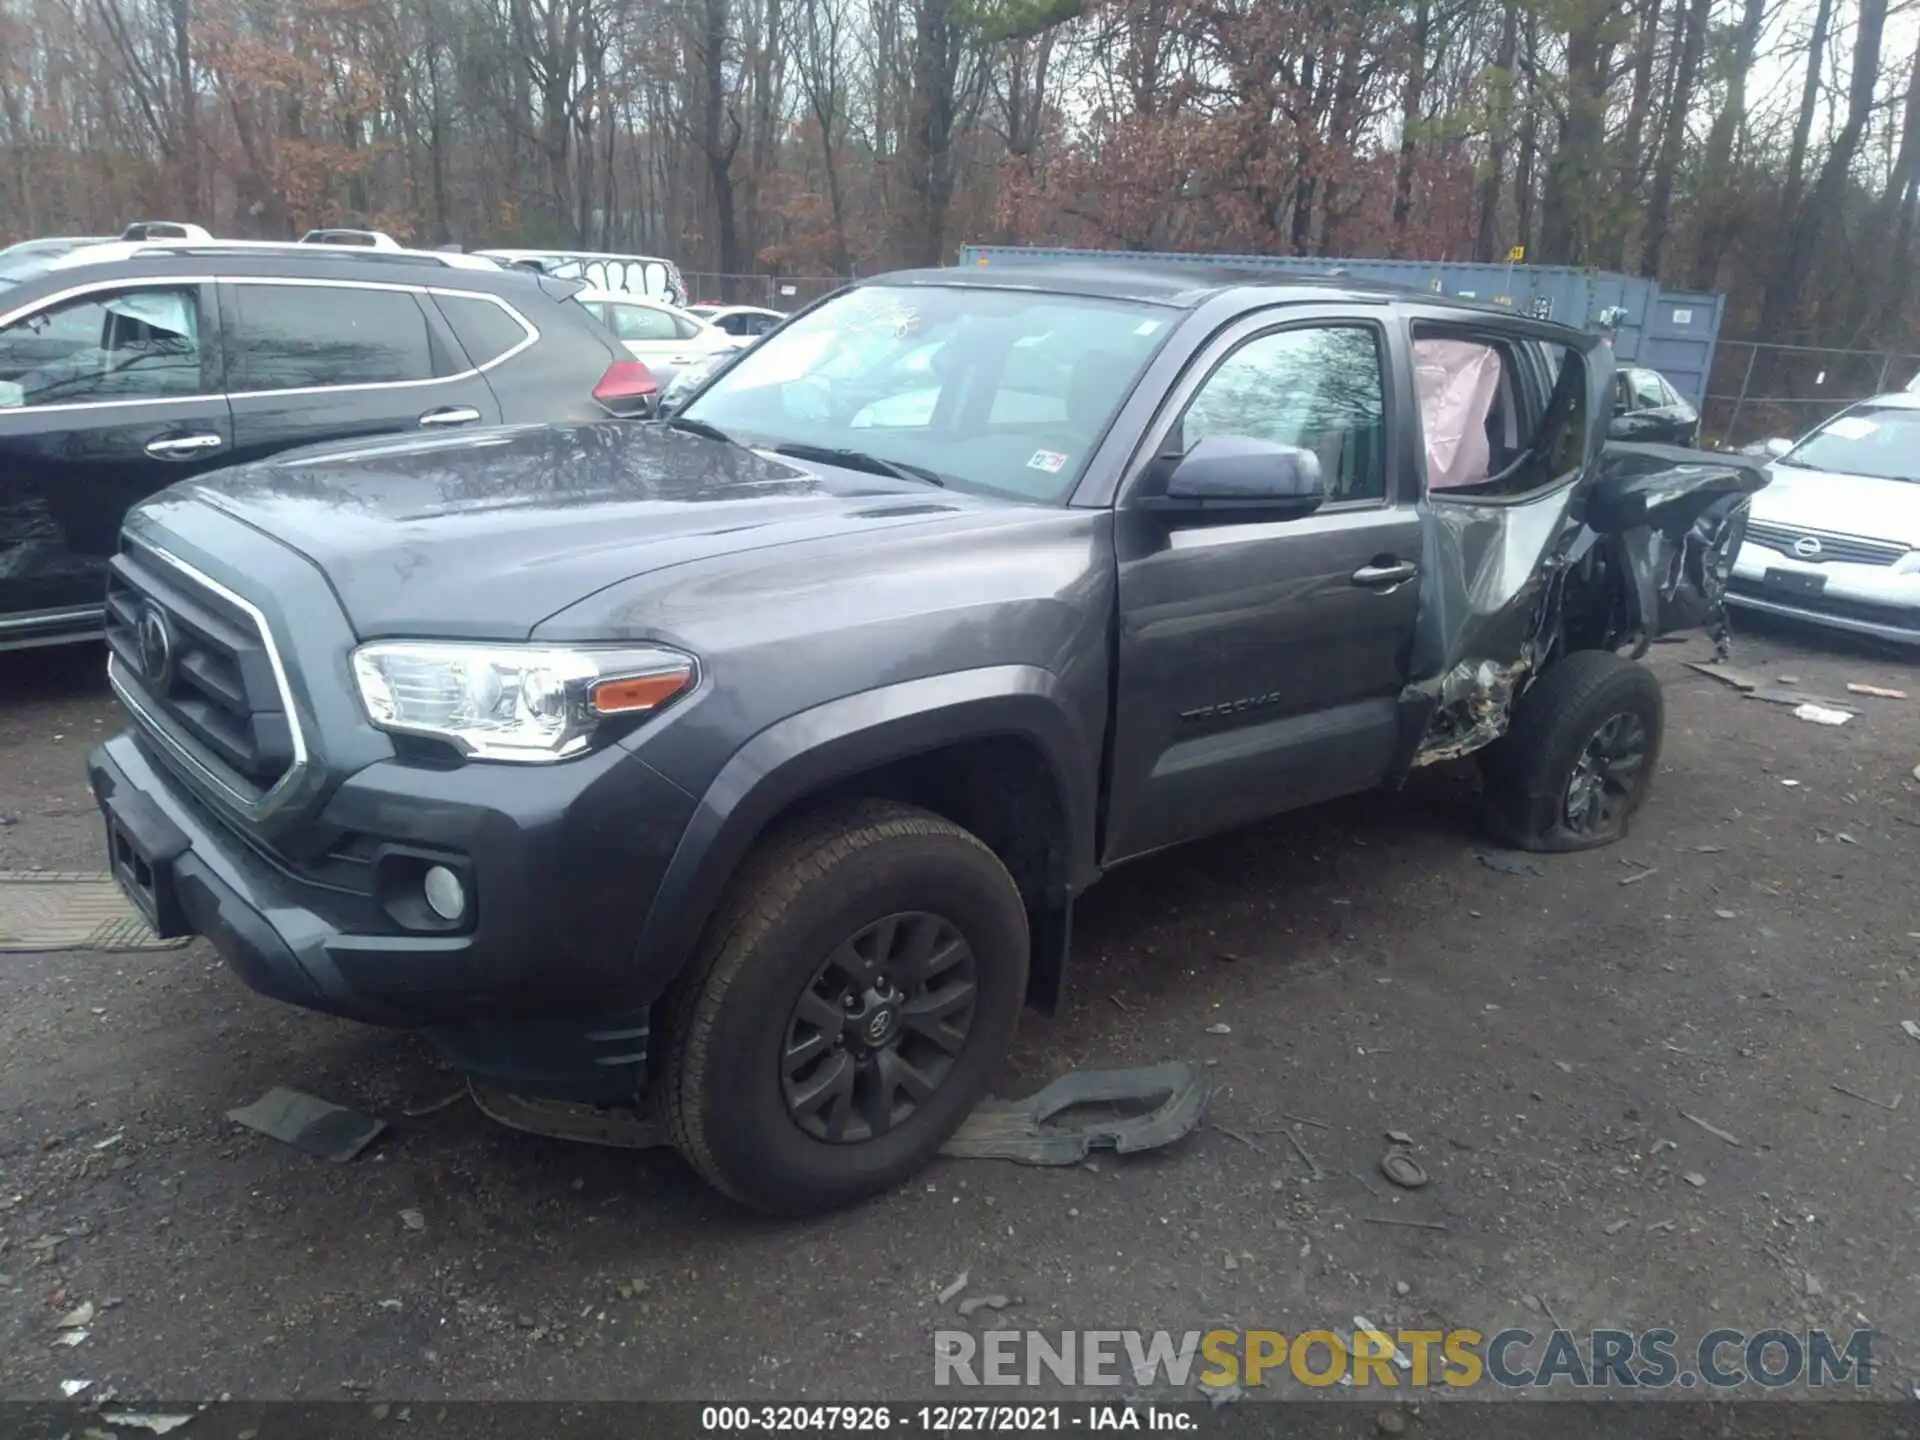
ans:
(699, 427)
(861, 460)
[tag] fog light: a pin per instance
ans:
(446, 896)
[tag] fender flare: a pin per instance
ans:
(817, 747)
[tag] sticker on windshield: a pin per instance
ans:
(1852, 427)
(1051, 461)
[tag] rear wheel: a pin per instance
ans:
(1579, 756)
(848, 1009)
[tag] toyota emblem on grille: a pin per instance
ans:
(154, 636)
(1807, 546)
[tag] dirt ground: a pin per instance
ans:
(1748, 952)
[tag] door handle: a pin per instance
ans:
(1385, 576)
(451, 415)
(179, 447)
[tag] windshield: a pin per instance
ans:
(998, 391)
(1881, 442)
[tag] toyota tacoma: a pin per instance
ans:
(746, 765)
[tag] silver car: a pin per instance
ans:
(1835, 539)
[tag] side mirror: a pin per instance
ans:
(1240, 476)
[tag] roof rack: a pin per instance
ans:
(122, 250)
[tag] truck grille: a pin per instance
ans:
(1818, 547)
(201, 666)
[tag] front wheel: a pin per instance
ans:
(1578, 758)
(848, 1009)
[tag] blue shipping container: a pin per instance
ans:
(1670, 330)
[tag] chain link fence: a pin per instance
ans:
(1757, 392)
(774, 292)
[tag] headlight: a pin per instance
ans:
(513, 702)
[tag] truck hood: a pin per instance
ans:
(486, 534)
(1835, 504)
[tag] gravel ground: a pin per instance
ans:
(1745, 957)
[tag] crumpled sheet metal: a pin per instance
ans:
(1030, 1131)
(1494, 576)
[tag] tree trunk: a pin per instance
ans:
(1572, 172)
(1809, 106)
(1830, 185)
(1716, 167)
(1499, 119)
(1693, 41)
(1413, 95)
(1632, 168)
(1523, 175)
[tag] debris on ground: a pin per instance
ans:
(1893, 1104)
(1639, 875)
(1614, 1227)
(314, 1127)
(1313, 1165)
(434, 1107)
(1039, 1131)
(983, 1302)
(1854, 687)
(1403, 1170)
(1508, 864)
(615, 1127)
(1911, 1028)
(1219, 1027)
(413, 1220)
(1694, 1178)
(71, 1388)
(76, 1319)
(1364, 1326)
(158, 1424)
(1724, 674)
(1399, 1137)
(1409, 1224)
(1821, 715)
(71, 1338)
(1390, 1422)
(1710, 1128)
(953, 1287)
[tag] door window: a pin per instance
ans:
(298, 337)
(1485, 429)
(1648, 392)
(104, 347)
(1318, 388)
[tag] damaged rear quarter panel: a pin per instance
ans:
(1639, 544)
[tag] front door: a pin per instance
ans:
(105, 397)
(1261, 662)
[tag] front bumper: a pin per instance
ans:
(1879, 601)
(536, 991)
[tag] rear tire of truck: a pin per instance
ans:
(1579, 756)
(850, 1005)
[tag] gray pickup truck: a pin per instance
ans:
(747, 765)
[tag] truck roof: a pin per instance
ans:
(1185, 286)
(1182, 285)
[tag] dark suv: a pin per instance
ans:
(129, 365)
(748, 764)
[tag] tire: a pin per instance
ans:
(809, 903)
(1586, 705)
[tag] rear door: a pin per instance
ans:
(107, 394)
(313, 360)
(1261, 661)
